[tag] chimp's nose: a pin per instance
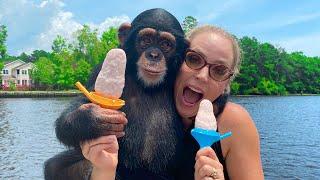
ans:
(153, 54)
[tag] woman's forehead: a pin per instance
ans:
(214, 47)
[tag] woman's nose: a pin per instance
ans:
(203, 74)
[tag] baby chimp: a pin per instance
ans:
(153, 142)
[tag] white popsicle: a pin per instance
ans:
(111, 78)
(205, 118)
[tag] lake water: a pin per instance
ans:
(289, 129)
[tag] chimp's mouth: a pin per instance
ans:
(153, 72)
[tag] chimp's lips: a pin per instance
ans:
(152, 72)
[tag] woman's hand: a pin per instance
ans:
(103, 154)
(207, 165)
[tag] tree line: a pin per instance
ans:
(265, 68)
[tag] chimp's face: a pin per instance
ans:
(155, 53)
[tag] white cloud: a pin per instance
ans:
(34, 26)
(280, 21)
(308, 44)
(109, 22)
(61, 24)
(301, 18)
(214, 10)
(43, 3)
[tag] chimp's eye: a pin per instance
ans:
(145, 41)
(166, 45)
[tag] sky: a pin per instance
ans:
(291, 24)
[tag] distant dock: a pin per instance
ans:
(36, 94)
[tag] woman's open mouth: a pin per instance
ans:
(191, 96)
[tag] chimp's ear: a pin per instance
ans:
(123, 32)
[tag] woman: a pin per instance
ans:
(211, 62)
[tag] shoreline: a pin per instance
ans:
(38, 94)
(241, 95)
(73, 93)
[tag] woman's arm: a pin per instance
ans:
(242, 149)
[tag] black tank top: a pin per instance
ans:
(217, 149)
(220, 103)
(186, 171)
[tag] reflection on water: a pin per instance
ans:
(289, 133)
(288, 126)
(27, 136)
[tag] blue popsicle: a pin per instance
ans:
(206, 138)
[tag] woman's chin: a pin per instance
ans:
(187, 111)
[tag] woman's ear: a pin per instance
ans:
(227, 89)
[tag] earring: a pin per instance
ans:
(227, 90)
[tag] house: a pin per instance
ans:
(18, 73)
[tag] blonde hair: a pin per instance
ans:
(235, 45)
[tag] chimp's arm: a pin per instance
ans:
(67, 165)
(77, 123)
(82, 122)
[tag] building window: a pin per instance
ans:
(18, 71)
(5, 71)
(18, 81)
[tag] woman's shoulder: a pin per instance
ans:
(234, 115)
(236, 118)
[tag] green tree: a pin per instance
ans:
(189, 23)
(109, 40)
(269, 87)
(36, 54)
(88, 46)
(43, 72)
(3, 38)
(64, 71)
(12, 85)
(249, 76)
(25, 57)
(305, 76)
(1, 65)
(82, 71)
(235, 88)
(59, 45)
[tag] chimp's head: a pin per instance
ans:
(155, 45)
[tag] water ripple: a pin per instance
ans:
(288, 127)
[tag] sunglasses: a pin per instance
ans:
(196, 61)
